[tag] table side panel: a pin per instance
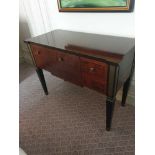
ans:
(125, 67)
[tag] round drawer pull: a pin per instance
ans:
(91, 69)
(60, 59)
(37, 52)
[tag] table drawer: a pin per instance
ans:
(94, 74)
(45, 58)
(93, 67)
(68, 60)
(95, 83)
(68, 66)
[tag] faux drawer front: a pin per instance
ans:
(94, 83)
(68, 60)
(44, 57)
(93, 67)
(68, 67)
(94, 74)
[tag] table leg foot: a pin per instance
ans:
(109, 112)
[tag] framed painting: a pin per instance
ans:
(95, 5)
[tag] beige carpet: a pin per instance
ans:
(70, 120)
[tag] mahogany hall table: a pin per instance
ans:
(100, 62)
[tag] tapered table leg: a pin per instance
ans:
(109, 112)
(42, 80)
(125, 91)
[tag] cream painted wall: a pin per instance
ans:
(120, 24)
(42, 16)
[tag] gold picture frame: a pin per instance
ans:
(95, 5)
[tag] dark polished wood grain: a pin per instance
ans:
(99, 62)
(62, 39)
(41, 56)
(94, 74)
(68, 68)
(108, 56)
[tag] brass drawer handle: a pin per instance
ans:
(91, 69)
(60, 59)
(37, 52)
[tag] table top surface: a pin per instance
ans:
(62, 38)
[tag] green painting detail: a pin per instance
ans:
(92, 3)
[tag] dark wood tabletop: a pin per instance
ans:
(109, 48)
